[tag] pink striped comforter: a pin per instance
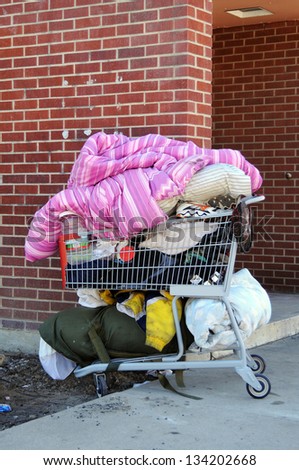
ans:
(116, 182)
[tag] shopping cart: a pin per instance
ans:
(189, 257)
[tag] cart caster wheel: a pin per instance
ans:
(259, 366)
(100, 384)
(266, 387)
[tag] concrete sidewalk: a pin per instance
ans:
(148, 417)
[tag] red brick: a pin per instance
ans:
(10, 74)
(49, 38)
(126, 76)
(116, 65)
(6, 106)
(131, 52)
(51, 16)
(16, 137)
(34, 136)
(25, 83)
(50, 82)
(8, 10)
(26, 104)
(62, 25)
(88, 45)
(35, 6)
(103, 55)
(132, 5)
(88, 68)
(129, 29)
(25, 62)
(51, 103)
(145, 16)
(152, 120)
(12, 52)
(126, 120)
(6, 64)
(144, 63)
(101, 9)
(50, 189)
(172, 107)
(65, 157)
(62, 70)
(88, 22)
(117, 19)
(36, 200)
(160, 72)
(6, 42)
(26, 18)
(139, 40)
(113, 43)
(38, 93)
(13, 261)
(50, 60)
(38, 304)
(36, 114)
(101, 123)
(61, 4)
(35, 28)
(46, 167)
(9, 30)
(75, 102)
(108, 32)
(77, 57)
(26, 125)
(103, 100)
(63, 113)
(7, 147)
(117, 88)
(75, 12)
(42, 179)
(25, 168)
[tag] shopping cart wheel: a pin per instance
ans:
(100, 384)
(259, 365)
(265, 390)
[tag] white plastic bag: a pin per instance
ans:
(208, 319)
(55, 364)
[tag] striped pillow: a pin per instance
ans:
(217, 179)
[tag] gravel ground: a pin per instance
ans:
(31, 393)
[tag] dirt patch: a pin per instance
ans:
(31, 393)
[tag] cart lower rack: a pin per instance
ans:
(190, 257)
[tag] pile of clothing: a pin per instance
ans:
(121, 185)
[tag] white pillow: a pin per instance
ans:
(215, 180)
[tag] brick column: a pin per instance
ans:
(70, 68)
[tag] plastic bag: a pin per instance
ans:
(208, 319)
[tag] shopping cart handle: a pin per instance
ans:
(252, 199)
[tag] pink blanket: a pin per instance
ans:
(116, 182)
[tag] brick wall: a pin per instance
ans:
(255, 109)
(74, 67)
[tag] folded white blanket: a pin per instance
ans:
(178, 237)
